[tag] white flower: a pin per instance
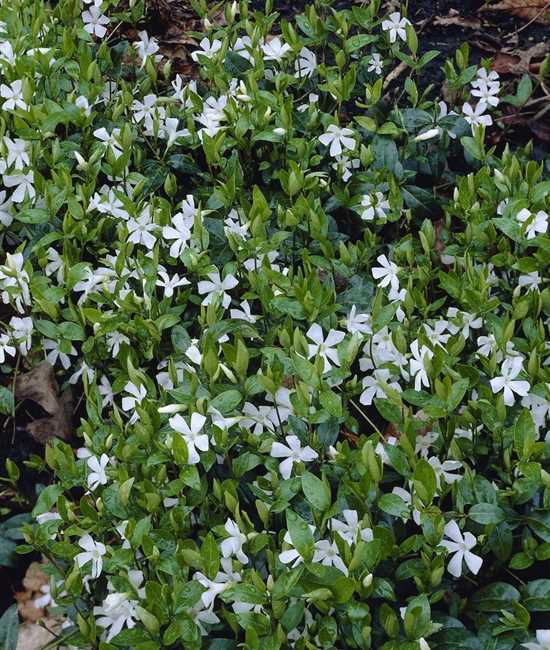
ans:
(539, 407)
(537, 223)
(193, 352)
(55, 265)
(543, 641)
(5, 347)
(13, 94)
(191, 434)
(169, 131)
(95, 21)
(375, 385)
(242, 47)
(208, 49)
(462, 321)
(486, 92)
(358, 323)
(136, 394)
(233, 545)
(243, 313)
(274, 50)
(292, 556)
(146, 47)
(6, 51)
(234, 225)
(259, 418)
(217, 287)
(510, 369)
(380, 449)
(428, 135)
(115, 340)
(223, 580)
(21, 332)
(82, 102)
(396, 25)
(418, 370)
(530, 280)
(201, 614)
(339, 138)
(180, 230)
(23, 184)
(436, 334)
(386, 273)
(306, 63)
(17, 152)
(106, 391)
(93, 552)
(327, 554)
(83, 370)
(350, 529)
(375, 63)
(312, 99)
(344, 166)
(424, 442)
(407, 498)
(375, 206)
(170, 283)
(443, 470)
(475, 116)
(325, 348)
(110, 140)
(116, 612)
(461, 547)
(97, 476)
(54, 353)
(6, 217)
(484, 77)
(292, 454)
(140, 230)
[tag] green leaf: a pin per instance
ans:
(487, 513)
(384, 316)
(9, 629)
(47, 499)
(393, 505)
(316, 491)
(385, 155)
(331, 402)
(358, 41)
(388, 410)
(33, 216)
(494, 597)
(536, 595)
(227, 401)
(300, 534)
(235, 64)
(210, 556)
(245, 462)
(424, 480)
(7, 402)
(458, 391)
(525, 434)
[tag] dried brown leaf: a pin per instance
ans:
(453, 18)
(39, 386)
(535, 10)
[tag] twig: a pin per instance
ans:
(535, 17)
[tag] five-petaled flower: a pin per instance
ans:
(460, 546)
(93, 552)
(292, 453)
(338, 138)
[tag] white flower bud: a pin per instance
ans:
(367, 580)
(428, 135)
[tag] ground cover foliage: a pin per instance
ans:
(306, 326)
